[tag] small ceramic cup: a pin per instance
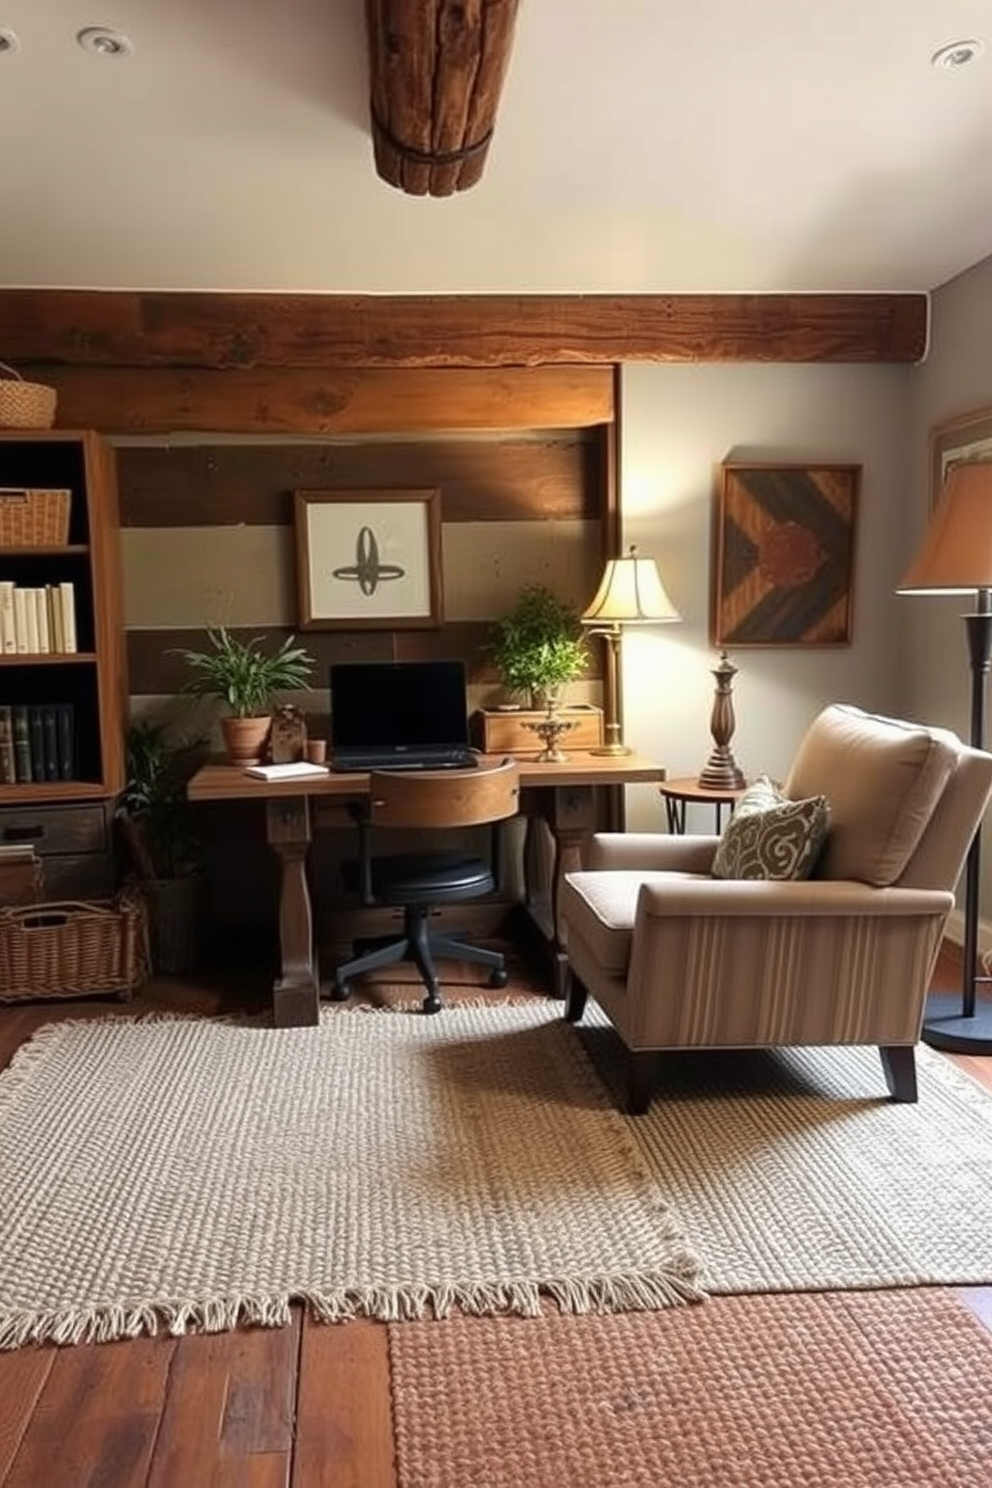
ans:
(317, 751)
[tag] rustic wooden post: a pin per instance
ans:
(436, 69)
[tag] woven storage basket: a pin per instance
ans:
(25, 405)
(68, 948)
(34, 519)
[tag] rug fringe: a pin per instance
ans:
(105, 1324)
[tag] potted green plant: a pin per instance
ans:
(539, 646)
(156, 825)
(247, 680)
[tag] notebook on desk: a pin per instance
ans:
(399, 715)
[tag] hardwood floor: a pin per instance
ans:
(300, 1407)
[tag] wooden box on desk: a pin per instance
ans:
(505, 731)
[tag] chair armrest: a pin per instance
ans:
(760, 898)
(658, 851)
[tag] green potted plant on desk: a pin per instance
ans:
(247, 680)
(156, 826)
(540, 646)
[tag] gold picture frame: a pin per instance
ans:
(967, 436)
(368, 560)
(783, 556)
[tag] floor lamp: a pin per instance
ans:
(956, 558)
(630, 593)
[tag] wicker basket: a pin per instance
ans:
(25, 405)
(34, 519)
(73, 949)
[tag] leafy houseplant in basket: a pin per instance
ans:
(156, 825)
(247, 680)
(539, 646)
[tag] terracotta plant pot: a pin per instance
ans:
(246, 739)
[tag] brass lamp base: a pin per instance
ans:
(613, 750)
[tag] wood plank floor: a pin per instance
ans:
(301, 1407)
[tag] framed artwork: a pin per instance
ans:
(967, 437)
(368, 560)
(784, 554)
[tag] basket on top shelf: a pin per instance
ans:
(34, 518)
(73, 949)
(25, 405)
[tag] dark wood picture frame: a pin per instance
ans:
(783, 554)
(368, 560)
(967, 436)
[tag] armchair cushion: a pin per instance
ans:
(771, 836)
(883, 779)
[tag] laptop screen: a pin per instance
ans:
(406, 704)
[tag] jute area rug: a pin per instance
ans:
(186, 1173)
(792, 1170)
(828, 1390)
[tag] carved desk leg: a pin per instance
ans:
(295, 994)
(570, 814)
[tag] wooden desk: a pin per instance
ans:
(562, 796)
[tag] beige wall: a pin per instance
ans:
(679, 423)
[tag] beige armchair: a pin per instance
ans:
(679, 959)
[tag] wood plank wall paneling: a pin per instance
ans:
(370, 400)
(140, 328)
(553, 477)
(207, 540)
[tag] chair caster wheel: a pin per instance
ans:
(340, 991)
(432, 1004)
(498, 978)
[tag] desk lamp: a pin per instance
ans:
(956, 558)
(630, 593)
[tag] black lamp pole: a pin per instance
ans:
(963, 1025)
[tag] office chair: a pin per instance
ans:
(422, 881)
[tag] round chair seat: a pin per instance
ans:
(403, 878)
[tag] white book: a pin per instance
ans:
(21, 618)
(31, 620)
(68, 593)
(8, 630)
(41, 619)
(294, 770)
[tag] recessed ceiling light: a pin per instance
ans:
(104, 41)
(8, 41)
(957, 54)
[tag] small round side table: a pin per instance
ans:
(678, 794)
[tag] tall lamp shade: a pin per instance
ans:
(630, 593)
(955, 557)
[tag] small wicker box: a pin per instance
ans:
(25, 405)
(34, 518)
(73, 949)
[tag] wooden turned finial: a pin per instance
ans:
(721, 771)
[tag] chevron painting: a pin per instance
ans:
(784, 555)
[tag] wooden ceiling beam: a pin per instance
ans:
(139, 328)
(436, 70)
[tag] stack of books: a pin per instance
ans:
(37, 620)
(37, 742)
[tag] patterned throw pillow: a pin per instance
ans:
(769, 836)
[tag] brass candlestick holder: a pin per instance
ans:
(721, 771)
(550, 730)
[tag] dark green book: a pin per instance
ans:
(8, 767)
(22, 744)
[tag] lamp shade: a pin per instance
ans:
(955, 556)
(630, 593)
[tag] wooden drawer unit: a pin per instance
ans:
(504, 731)
(75, 844)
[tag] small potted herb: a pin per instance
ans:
(247, 680)
(539, 646)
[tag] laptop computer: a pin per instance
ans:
(396, 715)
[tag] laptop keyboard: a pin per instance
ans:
(413, 759)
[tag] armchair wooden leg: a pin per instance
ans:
(575, 997)
(899, 1067)
(642, 1077)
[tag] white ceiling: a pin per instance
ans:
(641, 146)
